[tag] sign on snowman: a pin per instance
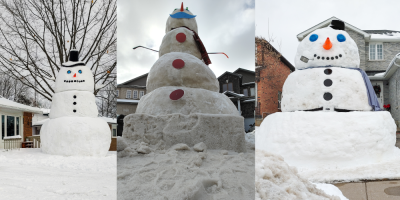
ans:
(74, 128)
(328, 76)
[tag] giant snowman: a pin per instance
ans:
(330, 114)
(74, 128)
(183, 103)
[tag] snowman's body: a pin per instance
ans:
(327, 78)
(74, 128)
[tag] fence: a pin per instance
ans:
(36, 141)
(12, 143)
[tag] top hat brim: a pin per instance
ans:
(73, 64)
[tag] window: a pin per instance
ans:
(117, 93)
(227, 86)
(245, 92)
(141, 94)
(376, 51)
(3, 128)
(17, 125)
(113, 131)
(135, 94)
(252, 92)
(10, 126)
(128, 94)
(279, 100)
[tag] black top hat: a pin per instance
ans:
(337, 24)
(73, 59)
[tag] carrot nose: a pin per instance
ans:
(182, 7)
(328, 44)
(74, 75)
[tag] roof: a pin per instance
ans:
(40, 123)
(392, 68)
(326, 23)
(245, 70)
(5, 103)
(139, 77)
(380, 31)
(239, 75)
(131, 101)
(283, 59)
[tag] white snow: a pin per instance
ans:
(127, 101)
(275, 180)
(323, 141)
(171, 44)
(380, 74)
(5, 103)
(305, 89)
(41, 122)
(109, 120)
(62, 104)
(31, 174)
(348, 49)
(82, 81)
(194, 74)
(387, 37)
(330, 190)
(12, 137)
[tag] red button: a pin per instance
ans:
(181, 37)
(177, 94)
(178, 63)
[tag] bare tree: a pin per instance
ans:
(36, 36)
(14, 90)
(107, 101)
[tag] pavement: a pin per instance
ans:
(371, 190)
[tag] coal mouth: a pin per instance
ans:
(74, 81)
(327, 57)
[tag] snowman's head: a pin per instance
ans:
(181, 17)
(328, 46)
(74, 75)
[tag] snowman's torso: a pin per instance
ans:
(74, 104)
(310, 89)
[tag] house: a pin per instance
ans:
(239, 86)
(129, 94)
(15, 121)
(379, 52)
(272, 69)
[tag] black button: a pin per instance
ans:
(323, 58)
(340, 55)
(328, 71)
(318, 57)
(74, 96)
(327, 96)
(332, 58)
(328, 82)
(315, 55)
(327, 58)
(74, 110)
(74, 103)
(336, 57)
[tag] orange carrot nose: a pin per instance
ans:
(328, 44)
(182, 7)
(74, 75)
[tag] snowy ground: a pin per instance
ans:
(31, 174)
(182, 172)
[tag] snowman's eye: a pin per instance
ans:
(313, 37)
(341, 38)
(80, 71)
(69, 71)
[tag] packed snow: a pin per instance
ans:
(278, 181)
(170, 44)
(31, 174)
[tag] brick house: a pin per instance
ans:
(379, 52)
(239, 86)
(129, 94)
(272, 69)
(15, 120)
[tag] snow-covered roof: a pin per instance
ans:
(39, 123)
(5, 103)
(249, 100)
(234, 94)
(392, 68)
(386, 37)
(249, 83)
(12, 137)
(109, 120)
(127, 101)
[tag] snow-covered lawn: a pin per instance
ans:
(31, 174)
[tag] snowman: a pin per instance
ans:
(328, 117)
(74, 128)
(328, 76)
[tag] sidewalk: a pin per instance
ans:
(371, 190)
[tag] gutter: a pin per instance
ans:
(393, 66)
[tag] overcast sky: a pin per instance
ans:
(287, 18)
(223, 26)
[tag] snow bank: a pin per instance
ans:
(305, 89)
(194, 74)
(32, 174)
(71, 136)
(278, 181)
(329, 140)
(171, 44)
(184, 174)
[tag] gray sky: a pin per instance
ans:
(287, 18)
(223, 26)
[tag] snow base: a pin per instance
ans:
(329, 140)
(75, 136)
(216, 131)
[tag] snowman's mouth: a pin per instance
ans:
(74, 81)
(327, 57)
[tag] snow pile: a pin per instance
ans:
(35, 175)
(348, 90)
(278, 181)
(387, 36)
(329, 140)
(184, 172)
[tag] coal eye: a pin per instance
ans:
(80, 71)
(69, 71)
(313, 37)
(341, 38)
